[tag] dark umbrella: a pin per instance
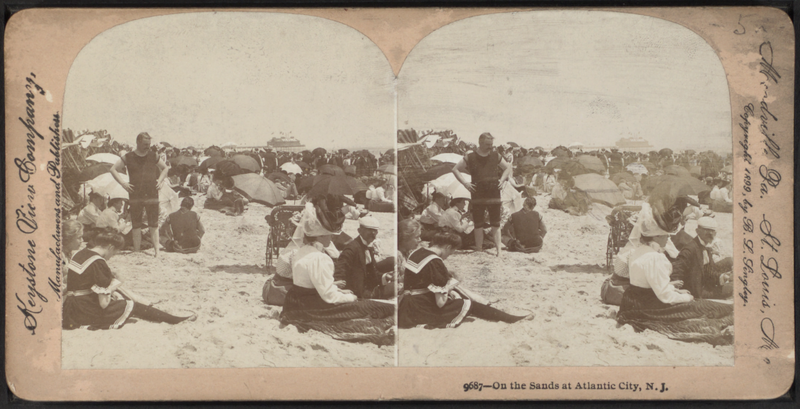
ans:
(246, 162)
(305, 183)
(336, 185)
(676, 170)
(665, 152)
(344, 151)
(530, 161)
(94, 171)
(331, 170)
(319, 151)
(211, 162)
(257, 188)
(561, 151)
(389, 152)
(228, 168)
(214, 151)
(276, 176)
(513, 144)
(183, 160)
(302, 165)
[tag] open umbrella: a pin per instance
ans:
(448, 157)
(211, 162)
(513, 144)
(665, 152)
(676, 170)
(302, 165)
(257, 188)
(436, 171)
(693, 186)
(319, 151)
(276, 176)
(94, 171)
(592, 163)
(637, 168)
(229, 168)
(183, 160)
(344, 151)
(332, 170)
(696, 171)
(104, 158)
(246, 162)
(388, 168)
(106, 185)
(530, 161)
(456, 190)
(290, 167)
(335, 185)
(619, 177)
(599, 189)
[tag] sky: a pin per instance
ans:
(558, 77)
(212, 78)
(534, 78)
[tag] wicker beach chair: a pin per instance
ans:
(281, 229)
(621, 227)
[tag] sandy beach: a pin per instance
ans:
(222, 283)
(561, 287)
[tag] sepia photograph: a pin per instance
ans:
(376, 204)
(571, 194)
(228, 196)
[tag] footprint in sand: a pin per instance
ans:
(654, 347)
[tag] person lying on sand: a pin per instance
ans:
(96, 299)
(431, 296)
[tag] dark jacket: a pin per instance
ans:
(688, 266)
(360, 277)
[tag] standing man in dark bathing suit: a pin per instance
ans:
(146, 173)
(485, 166)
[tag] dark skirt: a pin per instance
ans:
(359, 321)
(421, 309)
(695, 321)
(85, 310)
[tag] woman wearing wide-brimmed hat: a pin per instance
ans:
(652, 301)
(314, 301)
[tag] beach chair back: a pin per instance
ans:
(621, 226)
(281, 229)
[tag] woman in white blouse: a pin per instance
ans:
(652, 302)
(314, 301)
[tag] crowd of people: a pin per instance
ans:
(667, 278)
(345, 292)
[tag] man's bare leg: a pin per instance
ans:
(479, 238)
(154, 236)
(496, 235)
(136, 235)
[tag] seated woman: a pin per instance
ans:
(219, 198)
(95, 298)
(429, 219)
(315, 302)
(652, 302)
(457, 219)
(431, 297)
